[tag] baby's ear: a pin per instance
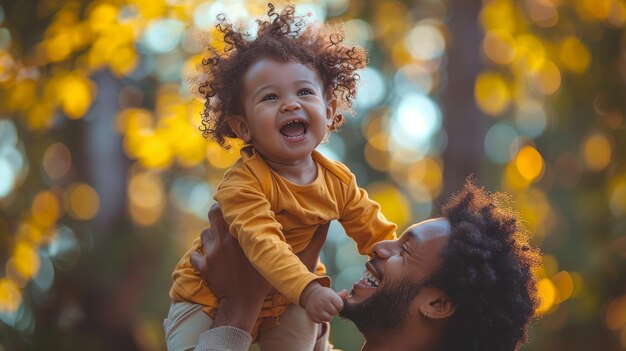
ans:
(239, 125)
(331, 109)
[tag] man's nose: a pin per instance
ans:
(383, 249)
(290, 105)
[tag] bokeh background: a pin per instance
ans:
(105, 178)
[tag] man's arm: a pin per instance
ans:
(238, 286)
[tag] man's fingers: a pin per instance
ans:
(196, 260)
(217, 219)
(205, 235)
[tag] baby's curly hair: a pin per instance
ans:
(284, 37)
(487, 271)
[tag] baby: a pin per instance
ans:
(280, 94)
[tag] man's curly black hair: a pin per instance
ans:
(284, 37)
(487, 271)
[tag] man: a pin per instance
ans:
(460, 282)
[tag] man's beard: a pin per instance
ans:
(385, 310)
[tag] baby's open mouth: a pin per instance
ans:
(294, 129)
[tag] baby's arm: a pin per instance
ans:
(363, 220)
(252, 221)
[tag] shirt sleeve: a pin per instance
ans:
(252, 222)
(224, 339)
(363, 220)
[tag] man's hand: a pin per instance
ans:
(239, 288)
(321, 303)
(236, 283)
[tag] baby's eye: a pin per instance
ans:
(269, 97)
(305, 91)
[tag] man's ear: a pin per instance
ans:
(437, 305)
(239, 125)
(331, 109)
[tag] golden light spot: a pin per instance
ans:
(499, 46)
(102, 16)
(592, 9)
(191, 149)
(84, 201)
(59, 47)
(400, 56)
(597, 152)
(389, 21)
(547, 293)
(425, 174)
(498, 15)
(25, 260)
(153, 9)
(57, 160)
(133, 119)
(146, 198)
(617, 201)
(574, 55)
(75, 96)
(155, 151)
(616, 12)
(146, 190)
(10, 296)
(380, 141)
(564, 286)
(531, 53)
(547, 79)
(529, 163)
(375, 123)
(394, 205)
(543, 13)
(616, 313)
(376, 158)
(513, 179)
(220, 158)
(148, 334)
(46, 209)
(21, 95)
(31, 232)
(123, 61)
(536, 211)
(7, 67)
(491, 93)
(40, 115)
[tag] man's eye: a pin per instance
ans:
(269, 97)
(303, 92)
(403, 250)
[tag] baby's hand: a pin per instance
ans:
(320, 303)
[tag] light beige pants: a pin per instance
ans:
(186, 321)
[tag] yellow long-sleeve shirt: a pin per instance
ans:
(273, 219)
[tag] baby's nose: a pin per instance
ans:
(290, 106)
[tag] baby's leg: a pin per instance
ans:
(185, 322)
(294, 332)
